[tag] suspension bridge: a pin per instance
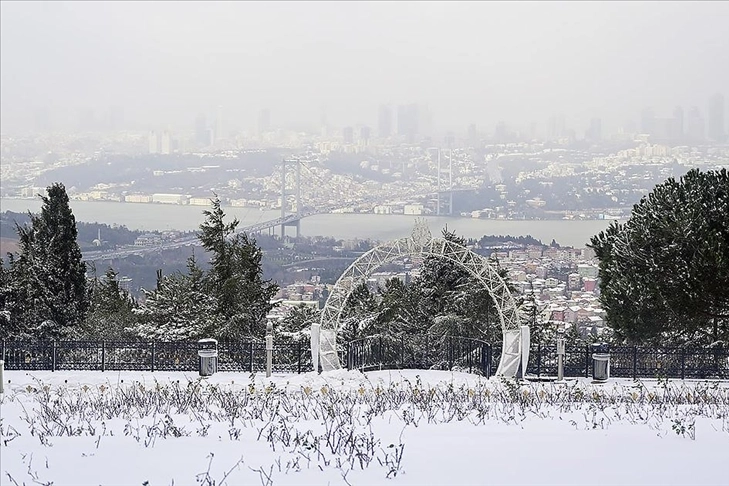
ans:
(288, 218)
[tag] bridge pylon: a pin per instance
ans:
(297, 221)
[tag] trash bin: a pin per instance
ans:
(600, 362)
(208, 352)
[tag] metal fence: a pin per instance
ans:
(633, 362)
(420, 352)
(290, 357)
(374, 352)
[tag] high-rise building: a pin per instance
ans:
(594, 132)
(348, 134)
(201, 131)
(677, 126)
(153, 142)
(264, 121)
(364, 136)
(219, 124)
(407, 122)
(695, 125)
(384, 121)
(165, 145)
(716, 118)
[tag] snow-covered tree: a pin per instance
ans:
(179, 309)
(111, 310)
(664, 273)
(235, 278)
(48, 277)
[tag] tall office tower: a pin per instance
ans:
(201, 131)
(348, 134)
(594, 133)
(86, 119)
(647, 121)
(407, 122)
(364, 136)
(219, 124)
(677, 124)
(472, 135)
(384, 121)
(716, 118)
(264, 121)
(695, 125)
(165, 145)
(153, 142)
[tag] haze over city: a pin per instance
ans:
(334, 63)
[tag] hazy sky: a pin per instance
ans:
(470, 62)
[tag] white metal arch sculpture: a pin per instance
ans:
(421, 243)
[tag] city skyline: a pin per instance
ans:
(469, 63)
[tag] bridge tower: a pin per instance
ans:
(447, 181)
(296, 222)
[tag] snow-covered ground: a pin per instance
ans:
(410, 427)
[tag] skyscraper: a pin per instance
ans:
(594, 133)
(201, 131)
(384, 121)
(695, 125)
(677, 125)
(219, 124)
(407, 122)
(348, 135)
(716, 118)
(264, 121)
(153, 142)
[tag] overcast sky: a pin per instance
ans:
(470, 62)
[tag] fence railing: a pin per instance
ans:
(634, 361)
(374, 352)
(420, 352)
(289, 357)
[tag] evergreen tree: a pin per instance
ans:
(111, 310)
(664, 273)
(235, 278)
(48, 277)
(179, 309)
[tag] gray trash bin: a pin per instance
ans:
(208, 352)
(600, 362)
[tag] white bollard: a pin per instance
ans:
(269, 348)
(315, 331)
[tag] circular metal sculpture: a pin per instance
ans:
(420, 243)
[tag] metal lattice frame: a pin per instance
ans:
(420, 243)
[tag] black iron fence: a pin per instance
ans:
(290, 357)
(420, 352)
(634, 361)
(374, 352)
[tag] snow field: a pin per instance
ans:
(386, 427)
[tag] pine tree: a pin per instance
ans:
(235, 277)
(179, 309)
(664, 273)
(111, 310)
(49, 276)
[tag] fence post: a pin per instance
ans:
(380, 351)
(250, 356)
(402, 351)
(153, 356)
(103, 356)
(683, 362)
(298, 353)
(587, 360)
(635, 362)
(53, 359)
(539, 360)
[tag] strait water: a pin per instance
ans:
(147, 217)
